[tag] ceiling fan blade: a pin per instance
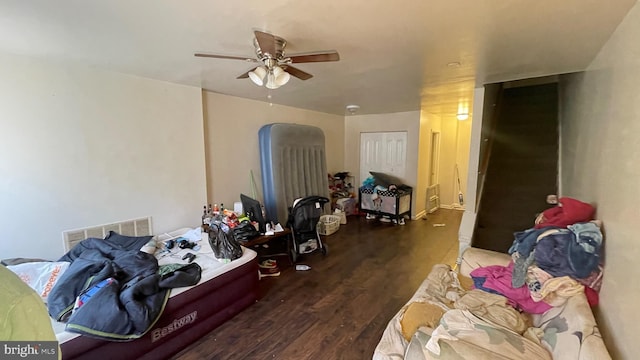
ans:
(226, 57)
(331, 55)
(266, 42)
(297, 72)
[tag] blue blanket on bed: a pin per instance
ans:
(112, 290)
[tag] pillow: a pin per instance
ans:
(420, 314)
(150, 247)
(40, 276)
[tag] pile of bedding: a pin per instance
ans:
(558, 258)
(533, 307)
(107, 288)
(444, 321)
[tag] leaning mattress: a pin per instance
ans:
(293, 164)
(224, 290)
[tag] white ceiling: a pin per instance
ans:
(394, 54)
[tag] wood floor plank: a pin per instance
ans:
(339, 308)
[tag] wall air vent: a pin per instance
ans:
(135, 227)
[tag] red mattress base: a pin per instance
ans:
(186, 318)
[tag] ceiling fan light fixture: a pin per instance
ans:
(271, 81)
(257, 75)
(281, 77)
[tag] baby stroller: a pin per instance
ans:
(303, 219)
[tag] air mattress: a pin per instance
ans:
(293, 163)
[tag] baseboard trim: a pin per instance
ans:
(420, 215)
(453, 207)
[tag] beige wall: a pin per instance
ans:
(424, 153)
(448, 156)
(231, 126)
(81, 147)
(468, 222)
(454, 149)
(600, 152)
(462, 160)
(404, 121)
(429, 124)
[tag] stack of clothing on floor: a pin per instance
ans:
(556, 259)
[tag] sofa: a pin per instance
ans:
(447, 319)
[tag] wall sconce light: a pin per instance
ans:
(462, 116)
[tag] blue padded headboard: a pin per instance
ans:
(293, 163)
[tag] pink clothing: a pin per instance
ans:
(498, 278)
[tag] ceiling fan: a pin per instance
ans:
(276, 66)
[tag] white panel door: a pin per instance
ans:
(395, 157)
(384, 152)
(370, 154)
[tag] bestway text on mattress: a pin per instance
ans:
(159, 333)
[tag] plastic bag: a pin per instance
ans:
(245, 231)
(40, 276)
(223, 242)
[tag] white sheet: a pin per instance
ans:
(211, 268)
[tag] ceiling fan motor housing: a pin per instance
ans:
(279, 45)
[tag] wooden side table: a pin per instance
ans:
(282, 249)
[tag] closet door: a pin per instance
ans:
(384, 152)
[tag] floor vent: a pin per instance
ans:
(135, 227)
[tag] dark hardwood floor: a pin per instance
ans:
(339, 308)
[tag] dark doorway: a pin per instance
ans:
(523, 165)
